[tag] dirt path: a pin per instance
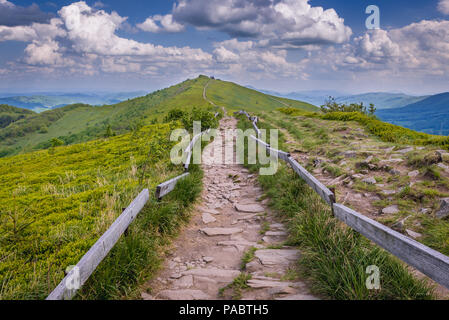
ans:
(230, 219)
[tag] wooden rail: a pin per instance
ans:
(89, 262)
(168, 186)
(430, 262)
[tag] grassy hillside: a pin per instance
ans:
(430, 115)
(64, 198)
(80, 123)
(386, 131)
(235, 97)
(10, 114)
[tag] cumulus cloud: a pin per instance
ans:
(159, 23)
(420, 49)
(84, 40)
(283, 23)
(443, 6)
(34, 32)
(249, 58)
(12, 15)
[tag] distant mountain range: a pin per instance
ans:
(430, 115)
(381, 100)
(46, 101)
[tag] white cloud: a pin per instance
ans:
(283, 23)
(95, 32)
(43, 53)
(443, 6)
(416, 50)
(247, 58)
(166, 24)
(32, 32)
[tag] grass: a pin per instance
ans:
(236, 287)
(235, 97)
(137, 257)
(248, 256)
(385, 131)
(66, 197)
(334, 257)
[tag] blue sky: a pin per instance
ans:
(283, 45)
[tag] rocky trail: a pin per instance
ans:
(231, 219)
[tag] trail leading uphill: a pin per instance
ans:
(229, 221)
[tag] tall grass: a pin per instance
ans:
(138, 255)
(334, 257)
(385, 131)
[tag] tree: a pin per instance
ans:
(55, 142)
(372, 109)
(109, 132)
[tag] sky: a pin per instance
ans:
(281, 45)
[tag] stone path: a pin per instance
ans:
(231, 219)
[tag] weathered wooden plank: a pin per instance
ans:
(100, 249)
(430, 262)
(164, 188)
(192, 143)
(266, 145)
(280, 154)
(257, 130)
(187, 163)
(277, 153)
(316, 185)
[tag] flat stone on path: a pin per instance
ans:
(186, 294)
(277, 256)
(214, 273)
(208, 218)
(220, 231)
(184, 282)
(258, 284)
(276, 233)
(249, 208)
(298, 297)
(211, 211)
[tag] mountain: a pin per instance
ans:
(82, 122)
(430, 115)
(314, 97)
(381, 100)
(45, 101)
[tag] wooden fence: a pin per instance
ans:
(76, 277)
(430, 262)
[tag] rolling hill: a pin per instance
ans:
(81, 122)
(430, 115)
